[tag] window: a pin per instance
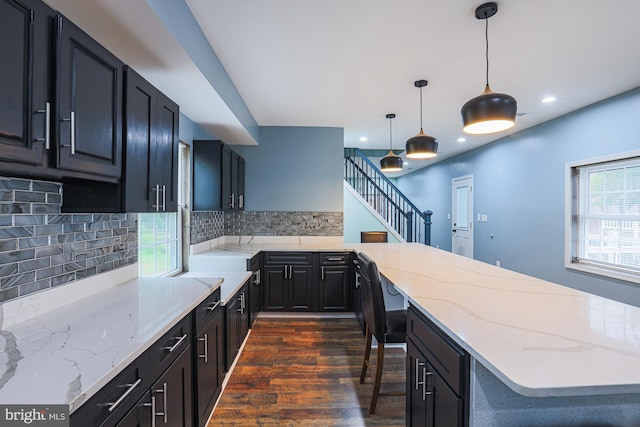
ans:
(604, 217)
(160, 234)
(158, 244)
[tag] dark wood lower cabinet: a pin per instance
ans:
(237, 319)
(335, 288)
(437, 376)
(172, 394)
(209, 365)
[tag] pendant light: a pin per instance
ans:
(421, 146)
(391, 162)
(489, 112)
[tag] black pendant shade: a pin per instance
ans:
(391, 162)
(489, 112)
(421, 146)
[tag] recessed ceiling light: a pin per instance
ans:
(363, 139)
(548, 99)
(461, 139)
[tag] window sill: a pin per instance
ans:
(604, 272)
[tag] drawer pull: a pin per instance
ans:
(176, 345)
(213, 306)
(418, 365)
(205, 356)
(163, 390)
(114, 405)
(425, 374)
(335, 258)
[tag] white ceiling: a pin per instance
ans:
(349, 63)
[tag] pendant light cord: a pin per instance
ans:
(421, 108)
(390, 136)
(486, 39)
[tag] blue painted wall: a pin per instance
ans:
(519, 183)
(294, 169)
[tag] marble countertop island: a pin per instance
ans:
(540, 338)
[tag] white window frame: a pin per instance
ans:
(178, 225)
(570, 246)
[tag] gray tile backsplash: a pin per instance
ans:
(41, 248)
(245, 223)
(206, 225)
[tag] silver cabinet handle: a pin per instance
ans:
(335, 258)
(157, 191)
(205, 356)
(233, 201)
(164, 197)
(259, 277)
(176, 345)
(114, 405)
(153, 411)
(241, 201)
(286, 271)
(425, 393)
(418, 365)
(47, 126)
(163, 390)
(291, 272)
(72, 131)
(213, 306)
(322, 272)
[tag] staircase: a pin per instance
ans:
(390, 203)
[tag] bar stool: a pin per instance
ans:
(386, 326)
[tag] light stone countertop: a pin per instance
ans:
(540, 338)
(66, 354)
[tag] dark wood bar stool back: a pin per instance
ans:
(386, 326)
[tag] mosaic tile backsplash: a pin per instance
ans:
(41, 248)
(255, 223)
(206, 225)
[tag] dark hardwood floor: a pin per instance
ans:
(305, 372)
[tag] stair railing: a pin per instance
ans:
(378, 190)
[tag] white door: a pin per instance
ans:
(462, 216)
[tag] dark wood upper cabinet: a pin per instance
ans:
(89, 94)
(218, 177)
(26, 101)
(151, 141)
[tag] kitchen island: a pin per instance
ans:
(541, 353)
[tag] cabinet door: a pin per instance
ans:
(206, 184)
(256, 296)
(300, 287)
(226, 194)
(140, 116)
(241, 196)
(209, 365)
(446, 406)
(172, 393)
(139, 416)
(334, 288)
(164, 167)
(233, 312)
(25, 81)
(275, 289)
(89, 104)
(416, 391)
